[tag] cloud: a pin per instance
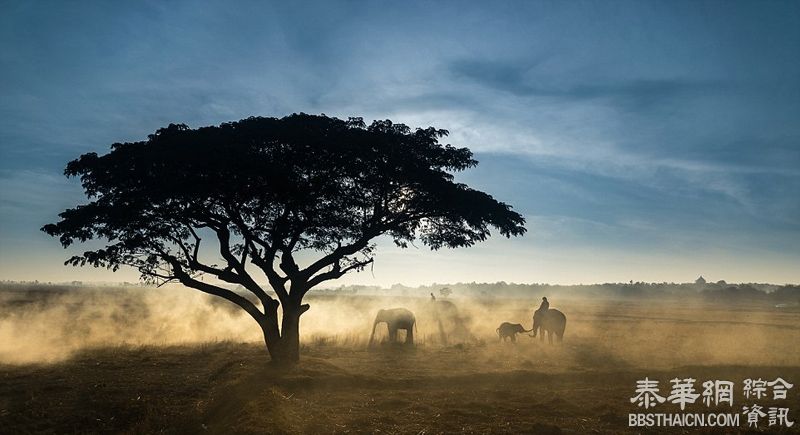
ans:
(26, 193)
(522, 79)
(671, 116)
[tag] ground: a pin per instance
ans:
(481, 385)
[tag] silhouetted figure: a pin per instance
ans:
(433, 298)
(300, 187)
(544, 306)
(551, 322)
(395, 318)
(510, 330)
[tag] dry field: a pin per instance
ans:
(123, 364)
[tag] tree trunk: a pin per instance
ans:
(272, 336)
(284, 345)
(290, 335)
(272, 339)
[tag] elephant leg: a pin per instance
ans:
(410, 336)
(550, 337)
(392, 334)
(513, 338)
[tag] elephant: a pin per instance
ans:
(396, 318)
(452, 325)
(551, 321)
(510, 330)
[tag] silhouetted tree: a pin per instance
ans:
(266, 189)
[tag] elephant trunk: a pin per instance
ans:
(372, 336)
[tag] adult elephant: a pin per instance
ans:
(551, 321)
(395, 318)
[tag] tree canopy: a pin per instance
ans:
(268, 188)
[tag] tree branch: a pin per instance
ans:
(184, 278)
(265, 262)
(223, 234)
(336, 272)
(336, 255)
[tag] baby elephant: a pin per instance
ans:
(510, 330)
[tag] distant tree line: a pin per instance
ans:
(717, 291)
(767, 293)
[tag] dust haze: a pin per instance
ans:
(45, 326)
(146, 360)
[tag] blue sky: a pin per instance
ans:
(642, 140)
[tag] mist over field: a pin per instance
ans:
(48, 324)
(264, 172)
(137, 359)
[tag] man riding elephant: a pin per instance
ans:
(544, 306)
(550, 321)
